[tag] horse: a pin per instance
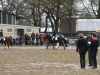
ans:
(6, 41)
(54, 40)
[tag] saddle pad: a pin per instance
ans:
(54, 38)
(4, 38)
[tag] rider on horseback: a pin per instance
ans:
(54, 35)
(1, 36)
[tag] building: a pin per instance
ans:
(7, 18)
(68, 27)
(18, 30)
(9, 27)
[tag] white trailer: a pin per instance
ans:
(87, 24)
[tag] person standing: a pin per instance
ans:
(37, 38)
(42, 39)
(94, 49)
(26, 39)
(82, 49)
(33, 37)
(1, 35)
(88, 48)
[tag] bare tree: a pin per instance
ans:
(93, 8)
(69, 9)
(33, 10)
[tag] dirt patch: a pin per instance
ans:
(39, 61)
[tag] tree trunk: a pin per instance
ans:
(46, 24)
(39, 23)
(69, 25)
(98, 15)
(34, 18)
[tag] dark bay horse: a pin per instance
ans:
(6, 41)
(54, 40)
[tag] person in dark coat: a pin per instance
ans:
(94, 49)
(1, 33)
(88, 48)
(26, 39)
(1, 36)
(82, 49)
(33, 37)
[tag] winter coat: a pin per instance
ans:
(94, 44)
(81, 45)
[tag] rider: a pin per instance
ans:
(54, 34)
(1, 35)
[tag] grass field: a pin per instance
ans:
(39, 61)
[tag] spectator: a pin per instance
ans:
(33, 37)
(82, 49)
(94, 49)
(10, 41)
(26, 39)
(37, 38)
(1, 36)
(42, 39)
(88, 48)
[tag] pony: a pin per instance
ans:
(6, 41)
(54, 40)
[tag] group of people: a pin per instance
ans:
(35, 39)
(90, 45)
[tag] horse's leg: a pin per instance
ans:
(2, 42)
(59, 45)
(64, 47)
(8, 45)
(63, 43)
(66, 44)
(48, 45)
(4, 45)
(53, 45)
